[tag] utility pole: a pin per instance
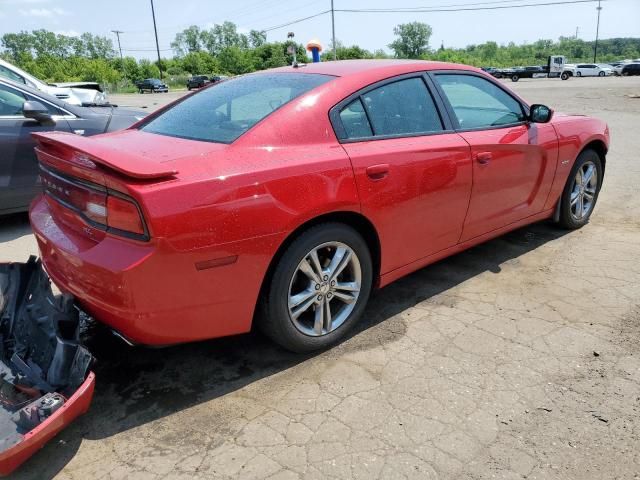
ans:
(577, 28)
(118, 32)
(333, 31)
(153, 14)
(595, 50)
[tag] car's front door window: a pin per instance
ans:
(479, 103)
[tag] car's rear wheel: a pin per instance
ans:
(515, 78)
(564, 76)
(581, 190)
(578, 74)
(319, 288)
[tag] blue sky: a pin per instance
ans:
(620, 18)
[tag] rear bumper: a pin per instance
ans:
(35, 439)
(46, 383)
(150, 292)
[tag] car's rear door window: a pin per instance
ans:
(478, 102)
(395, 109)
(11, 102)
(226, 110)
(354, 119)
(404, 107)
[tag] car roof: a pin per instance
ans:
(342, 68)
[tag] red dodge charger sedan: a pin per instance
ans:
(283, 197)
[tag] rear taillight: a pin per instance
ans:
(98, 206)
(123, 214)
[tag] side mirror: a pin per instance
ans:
(37, 111)
(540, 113)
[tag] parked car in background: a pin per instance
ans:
(302, 191)
(617, 69)
(593, 70)
(25, 110)
(218, 78)
(630, 69)
(197, 81)
(74, 93)
(152, 85)
(517, 73)
(493, 71)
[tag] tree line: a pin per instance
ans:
(222, 49)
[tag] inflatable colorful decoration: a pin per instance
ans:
(315, 48)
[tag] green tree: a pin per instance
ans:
(257, 38)
(187, 41)
(199, 63)
(16, 44)
(223, 36)
(236, 61)
(413, 40)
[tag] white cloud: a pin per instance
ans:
(44, 12)
(67, 33)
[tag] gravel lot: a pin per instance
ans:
(517, 359)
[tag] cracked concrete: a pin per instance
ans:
(516, 359)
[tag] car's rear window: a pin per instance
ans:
(225, 111)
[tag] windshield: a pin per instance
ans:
(223, 112)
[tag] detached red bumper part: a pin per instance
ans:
(45, 381)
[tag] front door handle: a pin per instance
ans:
(483, 158)
(378, 172)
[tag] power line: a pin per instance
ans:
(295, 21)
(433, 10)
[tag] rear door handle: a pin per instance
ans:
(378, 172)
(483, 158)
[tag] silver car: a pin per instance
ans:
(74, 93)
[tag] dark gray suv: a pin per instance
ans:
(24, 110)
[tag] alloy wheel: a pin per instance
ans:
(324, 289)
(583, 191)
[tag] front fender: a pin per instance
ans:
(575, 133)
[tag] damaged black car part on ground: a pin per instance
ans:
(42, 362)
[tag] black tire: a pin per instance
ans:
(601, 74)
(515, 78)
(567, 220)
(564, 76)
(275, 320)
(498, 75)
(578, 74)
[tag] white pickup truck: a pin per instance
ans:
(74, 93)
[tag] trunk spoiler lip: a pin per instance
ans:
(127, 164)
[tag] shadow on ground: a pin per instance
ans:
(14, 226)
(139, 385)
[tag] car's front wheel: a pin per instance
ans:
(318, 289)
(601, 74)
(581, 190)
(515, 78)
(564, 76)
